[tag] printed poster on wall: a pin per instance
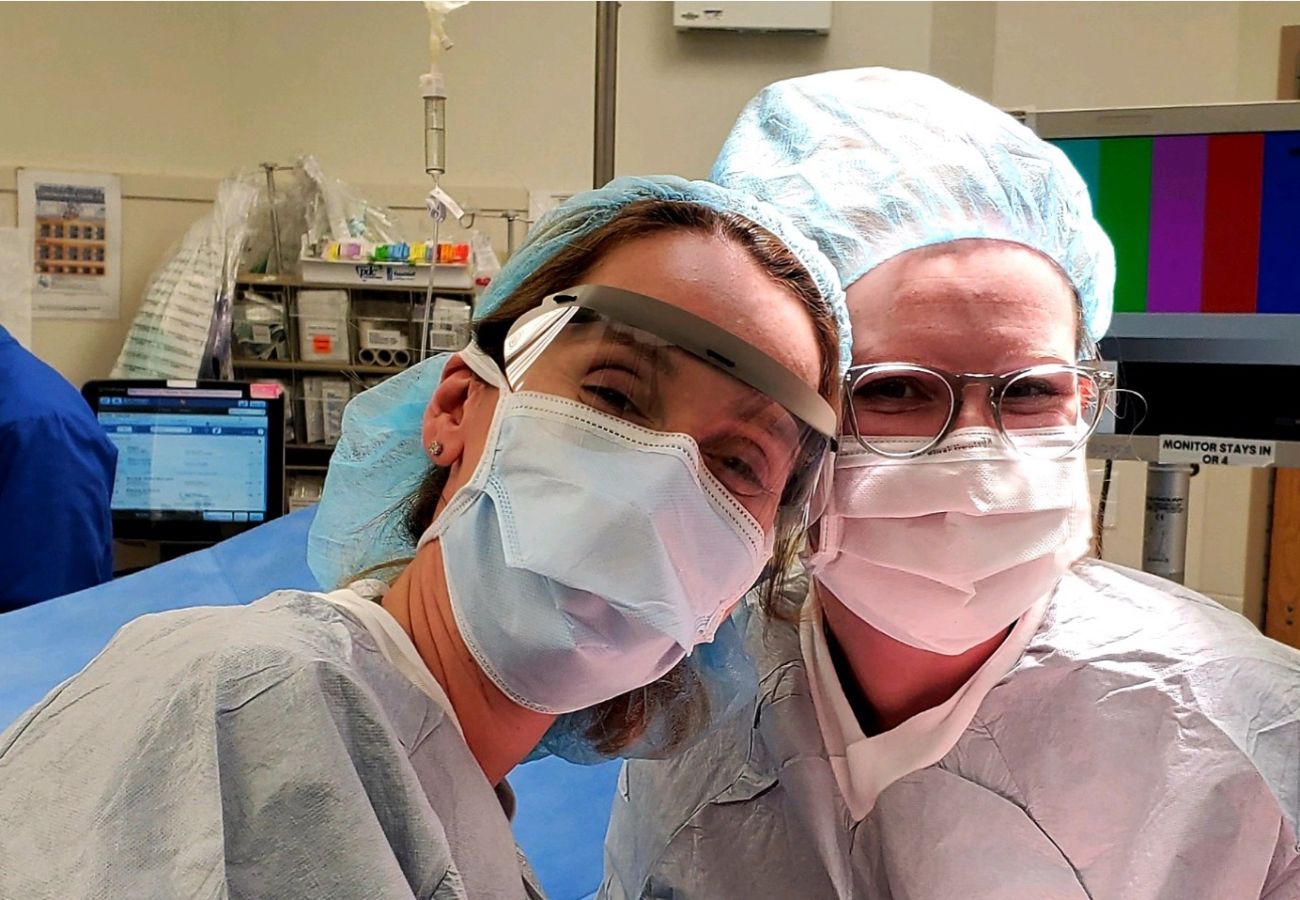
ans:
(75, 219)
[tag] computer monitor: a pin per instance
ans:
(1201, 203)
(197, 462)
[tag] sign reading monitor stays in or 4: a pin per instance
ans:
(1201, 223)
(1212, 451)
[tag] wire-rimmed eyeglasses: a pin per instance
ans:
(901, 410)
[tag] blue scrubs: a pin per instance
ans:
(56, 481)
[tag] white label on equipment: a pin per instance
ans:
(385, 273)
(381, 339)
(1209, 451)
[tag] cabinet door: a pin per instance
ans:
(1283, 615)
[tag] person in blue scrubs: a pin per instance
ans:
(56, 481)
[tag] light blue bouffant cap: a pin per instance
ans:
(583, 213)
(874, 162)
(379, 461)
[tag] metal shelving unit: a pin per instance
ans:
(273, 365)
(300, 455)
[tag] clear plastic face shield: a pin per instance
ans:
(900, 411)
(760, 430)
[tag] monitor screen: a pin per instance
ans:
(1200, 204)
(194, 463)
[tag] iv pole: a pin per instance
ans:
(433, 88)
(606, 91)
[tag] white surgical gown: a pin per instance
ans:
(270, 750)
(1145, 746)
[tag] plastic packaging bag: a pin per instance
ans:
(449, 325)
(260, 327)
(286, 391)
(383, 333)
(483, 260)
(437, 11)
(324, 400)
(337, 213)
(311, 208)
(177, 332)
(323, 326)
(294, 190)
(304, 491)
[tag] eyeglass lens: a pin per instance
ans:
(1043, 411)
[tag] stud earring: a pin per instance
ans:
(435, 449)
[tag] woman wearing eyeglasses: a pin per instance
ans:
(957, 703)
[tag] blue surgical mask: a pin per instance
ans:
(587, 555)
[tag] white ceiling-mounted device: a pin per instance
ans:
(807, 16)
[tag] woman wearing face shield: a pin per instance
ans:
(582, 496)
(957, 703)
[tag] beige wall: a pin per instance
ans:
(1055, 55)
(963, 46)
(679, 92)
(340, 80)
(118, 87)
(174, 96)
(1258, 43)
(1085, 54)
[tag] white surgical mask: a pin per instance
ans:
(586, 555)
(943, 551)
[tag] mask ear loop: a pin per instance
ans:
(819, 498)
(486, 369)
(820, 526)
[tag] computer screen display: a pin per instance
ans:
(1202, 223)
(193, 463)
(1200, 205)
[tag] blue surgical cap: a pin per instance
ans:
(379, 461)
(584, 213)
(874, 162)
